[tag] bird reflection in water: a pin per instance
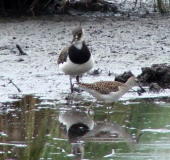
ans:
(80, 128)
(77, 124)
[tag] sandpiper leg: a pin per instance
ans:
(88, 109)
(108, 105)
(90, 117)
(108, 114)
(108, 109)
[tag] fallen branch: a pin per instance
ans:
(20, 50)
(10, 81)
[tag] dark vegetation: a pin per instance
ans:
(8, 7)
(36, 7)
(157, 73)
(157, 77)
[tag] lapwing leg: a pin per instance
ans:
(71, 85)
(77, 79)
(79, 88)
(88, 109)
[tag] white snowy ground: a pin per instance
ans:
(117, 46)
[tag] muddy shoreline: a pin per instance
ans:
(119, 44)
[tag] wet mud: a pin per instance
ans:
(118, 44)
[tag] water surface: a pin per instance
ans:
(32, 128)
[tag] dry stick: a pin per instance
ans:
(46, 4)
(161, 6)
(32, 7)
(20, 50)
(62, 8)
(10, 81)
(54, 4)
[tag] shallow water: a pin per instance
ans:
(33, 128)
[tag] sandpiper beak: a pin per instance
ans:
(142, 89)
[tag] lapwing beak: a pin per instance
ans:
(73, 40)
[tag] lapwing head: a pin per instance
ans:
(78, 35)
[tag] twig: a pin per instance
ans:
(20, 50)
(46, 4)
(32, 7)
(10, 81)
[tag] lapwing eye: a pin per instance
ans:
(79, 34)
